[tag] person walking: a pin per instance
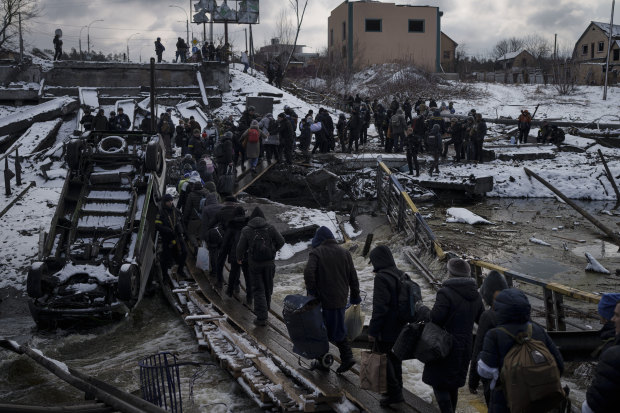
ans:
(412, 143)
(330, 276)
(481, 132)
(513, 317)
(57, 47)
(224, 220)
(493, 284)
(434, 143)
(354, 126)
(260, 241)
(245, 60)
(524, 125)
(457, 307)
(159, 49)
(168, 224)
(212, 236)
(385, 325)
(251, 140)
(87, 120)
(398, 125)
(287, 137)
(100, 122)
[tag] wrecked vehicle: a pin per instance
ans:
(95, 262)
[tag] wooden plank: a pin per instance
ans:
(256, 178)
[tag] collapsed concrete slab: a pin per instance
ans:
(37, 137)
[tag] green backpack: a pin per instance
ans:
(530, 376)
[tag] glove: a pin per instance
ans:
(355, 300)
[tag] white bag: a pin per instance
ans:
(353, 321)
(202, 258)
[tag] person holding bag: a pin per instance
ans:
(385, 325)
(457, 306)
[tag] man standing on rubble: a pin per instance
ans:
(330, 275)
(260, 241)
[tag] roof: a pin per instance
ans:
(605, 28)
(449, 38)
(511, 55)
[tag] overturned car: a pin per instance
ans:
(95, 262)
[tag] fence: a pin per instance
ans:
(404, 215)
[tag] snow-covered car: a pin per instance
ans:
(95, 262)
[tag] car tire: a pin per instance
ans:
(154, 159)
(34, 280)
(129, 284)
(112, 145)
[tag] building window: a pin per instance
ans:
(446, 54)
(617, 55)
(344, 30)
(373, 25)
(331, 37)
(601, 46)
(584, 49)
(416, 26)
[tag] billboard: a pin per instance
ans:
(229, 11)
(247, 12)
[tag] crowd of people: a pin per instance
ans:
(194, 54)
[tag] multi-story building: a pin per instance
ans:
(590, 54)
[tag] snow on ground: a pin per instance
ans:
(464, 216)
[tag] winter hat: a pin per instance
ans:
(210, 186)
(381, 257)
(458, 268)
(512, 307)
(257, 212)
(167, 198)
(494, 282)
(228, 135)
(321, 234)
(254, 124)
(607, 305)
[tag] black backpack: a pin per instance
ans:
(261, 247)
(409, 295)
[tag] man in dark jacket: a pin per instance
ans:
(481, 132)
(168, 223)
(57, 47)
(287, 137)
(457, 307)
(87, 119)
(223, 219)
(100, 122)
(407, 109)
(159, 49)
(398, 126)
(122, 120)
(493, 284)
(191, 210)
(434, 142)
(379, 121)
(260, 241)
(455, 130)
(330, 275)
(412, 142)
(197, 146)
(603, 395)
(512, 309)
(224, 153)
(354, 126)
(384, 326)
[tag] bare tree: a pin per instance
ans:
(299, 14)
(284, 27)
(504, 46)
(537, 45)
(10, 11)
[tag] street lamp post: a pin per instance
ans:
(88, 33)
(80, 42)
(186, 21)
(128, 39)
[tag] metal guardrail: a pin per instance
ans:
(405, 216)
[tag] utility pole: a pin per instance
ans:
(611, 31)
(251, 57)
(245, 31)
(21, 39)
(555, 47)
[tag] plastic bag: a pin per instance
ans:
(354, 321)
(202, 259)
(373, 371)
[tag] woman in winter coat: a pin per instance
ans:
(493, 284)
(513, 313)
(251, 141)
(457, 307)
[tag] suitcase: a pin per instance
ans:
(304, 322)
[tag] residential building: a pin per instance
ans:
(448, 53)
(515, 61)
(363, 33)
(590, 54)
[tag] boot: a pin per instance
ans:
(346, 357)
(388, 400)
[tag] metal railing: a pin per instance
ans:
(405, 216)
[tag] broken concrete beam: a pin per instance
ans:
(37, 137)
(20, 121)
(295, 235)
(475, 186)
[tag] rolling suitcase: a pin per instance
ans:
(304, 322)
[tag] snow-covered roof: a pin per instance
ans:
(605, 27)
(510, 55)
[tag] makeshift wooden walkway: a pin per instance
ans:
(262, 358)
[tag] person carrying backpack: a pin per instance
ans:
(251, 140)
(511, 378)
(387, 320)
(260, 241)
(457, 307)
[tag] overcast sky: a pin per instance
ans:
(476, 23)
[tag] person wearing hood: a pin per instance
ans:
(385, 326)
(457, 307)
(269, 126)
(223, 153)
(168, 224)
(251, 140)
(341, 128)
(287, 137)
(260, 241)
(481, 131)
(212, 236)
(330, 276)
(603, 395)
(191, 209)
(100, 123)
(606, 307)
(305, 137)
(354, 126)
(196, 145)
(512, 310)
(434, 140)
(492, 285)
(398, 126)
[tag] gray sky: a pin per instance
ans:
(476, 23)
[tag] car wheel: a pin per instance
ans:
(154, 159)
(129, 284)
(34, 280)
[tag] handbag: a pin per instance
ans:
(405, 346)
(435, 343)
(373, 371)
